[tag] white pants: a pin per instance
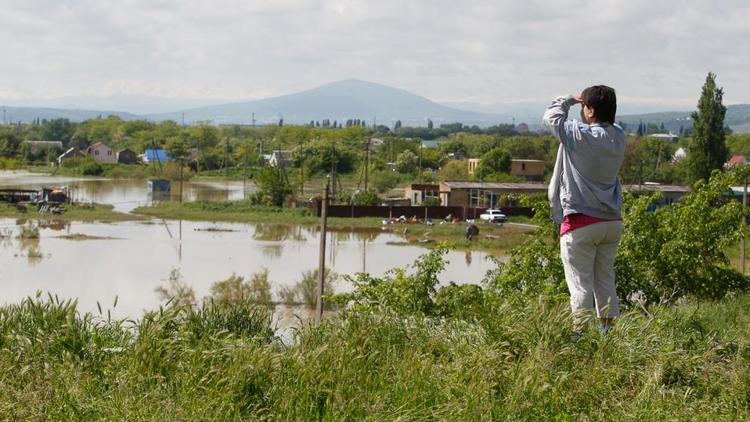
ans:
(588, 256)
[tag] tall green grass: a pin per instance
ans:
(222, 362)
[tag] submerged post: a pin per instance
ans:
(322, 257)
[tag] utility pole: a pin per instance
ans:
(420, 162)
(333, 170)
(744, 222)
(253, 119)
(226, 156)
(181, 164)
(302, 175)
(244, 173)
(322, 256)
(367, 162)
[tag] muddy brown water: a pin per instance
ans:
(130, 260)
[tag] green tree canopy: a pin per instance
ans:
(708, 151)
(496, 161)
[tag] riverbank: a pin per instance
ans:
(220, 362)
(493, 238)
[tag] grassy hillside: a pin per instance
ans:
(222, 362)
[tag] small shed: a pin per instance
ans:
(158, 185)
(127, 156)
(156, 154)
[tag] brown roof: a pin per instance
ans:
(543, 186)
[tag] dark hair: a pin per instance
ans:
(603, 100)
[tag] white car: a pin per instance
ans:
(493, 216)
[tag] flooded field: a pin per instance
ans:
(124, 194)
(96, 262)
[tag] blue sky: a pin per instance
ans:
(495, 51)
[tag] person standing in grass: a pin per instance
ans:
(585, 197)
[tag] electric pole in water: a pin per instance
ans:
(367, 162)
(244, 173)
(226, 156)
(322, 256)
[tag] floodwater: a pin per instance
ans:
(130, 260)
(125, 194)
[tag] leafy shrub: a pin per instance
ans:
(384, 180)
(405, 294)
(365, 197)
(680, 250)
(91, 168)
(235, 289)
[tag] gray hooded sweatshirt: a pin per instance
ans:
(585, 179)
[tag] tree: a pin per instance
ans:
(707, 150)
(407, 162)
(204, 137)
(455, 170)
(495, 161)
(177, 148)
(273, 186)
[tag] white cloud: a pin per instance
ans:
(483, 50)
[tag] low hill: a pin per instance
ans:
(348, 99)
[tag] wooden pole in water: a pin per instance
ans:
(181, 164)
(322, 257)
(744, 222)
(244, 174)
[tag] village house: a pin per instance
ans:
(416, 193)
(531, 170)
(666, 137)
(127, 156)
(736, 160)
(493, 194)
(101, 152)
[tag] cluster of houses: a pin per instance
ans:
(103, 153)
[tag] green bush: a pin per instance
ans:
(365, 197)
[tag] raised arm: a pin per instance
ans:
(557, 114)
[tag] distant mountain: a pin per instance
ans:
(348, 99)
(737, 118)
(29, 114)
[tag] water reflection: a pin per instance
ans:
(30, 248)
(124, 194)
(278, 232)
(143, 256)
(274, 250)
